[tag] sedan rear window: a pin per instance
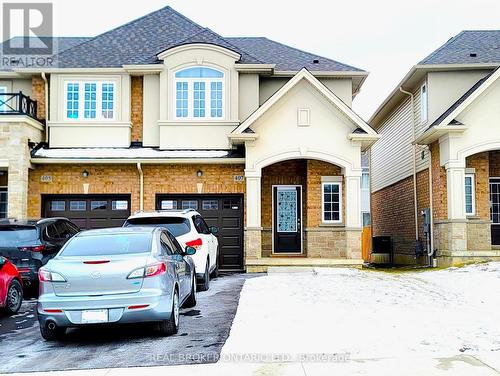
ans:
(114, 244)
(13, 236)
(176, 225)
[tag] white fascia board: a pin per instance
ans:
(255, 68)
(434, 133)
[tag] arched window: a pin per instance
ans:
(199, 93)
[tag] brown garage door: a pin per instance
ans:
(88, 211)
(223, 211)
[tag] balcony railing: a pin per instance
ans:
(17, 104)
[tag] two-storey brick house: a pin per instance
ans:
(162, 113)
(442, 121)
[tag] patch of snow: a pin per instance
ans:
(370, 314)
(128, 153)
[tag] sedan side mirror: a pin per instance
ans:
(214, 230)
(190, 251)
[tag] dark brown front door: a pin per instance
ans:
(287, 226)
(88, 211)
(223, 211)
(495, 210)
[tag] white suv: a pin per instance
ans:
(190, 229)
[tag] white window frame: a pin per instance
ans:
(473, 184)
(331, 221)
(81, 100)
(190, 81)
(3, 90)
(424, 108)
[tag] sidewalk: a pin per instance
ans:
(459, 365)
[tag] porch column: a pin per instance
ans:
(253, 241)
(457, 222)
(353, 214)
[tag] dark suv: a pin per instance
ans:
(30, 244)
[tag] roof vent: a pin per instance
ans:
(315, 61)
(473, 54)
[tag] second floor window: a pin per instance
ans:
(90, 100)
(199, 93)
(423, 103)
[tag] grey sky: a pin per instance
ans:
(384, 37)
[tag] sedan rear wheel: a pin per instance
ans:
(191, 301)
(171, 326)
(14, 297)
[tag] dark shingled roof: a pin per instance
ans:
(460, 100)
(285, 57)
(484, 44)
(139, 41)
(60, 43)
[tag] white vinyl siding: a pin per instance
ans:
(391, 156)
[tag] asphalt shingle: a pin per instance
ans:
(468, 47)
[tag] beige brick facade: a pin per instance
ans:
(38, 94)
(136, 107)
(124, 179)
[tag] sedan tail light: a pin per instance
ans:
(196, 244)
(149, 271)
(36, 248)
(47, 276)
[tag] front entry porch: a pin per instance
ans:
(305, 208)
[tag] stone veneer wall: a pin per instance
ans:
(14, 138)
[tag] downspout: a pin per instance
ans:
(44, 77)
(414, 162)
(141, 186)
(431, 210)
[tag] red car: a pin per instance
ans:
(11, 288)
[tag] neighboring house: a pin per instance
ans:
(162, 113)
(443, 120)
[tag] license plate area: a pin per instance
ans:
(94, 316)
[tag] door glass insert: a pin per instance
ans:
(57, 206)
(189, 204)
(119, 205)
(210, 205)
(98, 205)
(495, 201)
(168, 205)
(287, 210)
(78, 205)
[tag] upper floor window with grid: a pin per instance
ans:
(199, 93)
(90, 100)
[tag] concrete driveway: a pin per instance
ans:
(203, 331)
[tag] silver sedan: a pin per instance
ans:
(117, 275)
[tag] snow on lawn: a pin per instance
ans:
(370, 314)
